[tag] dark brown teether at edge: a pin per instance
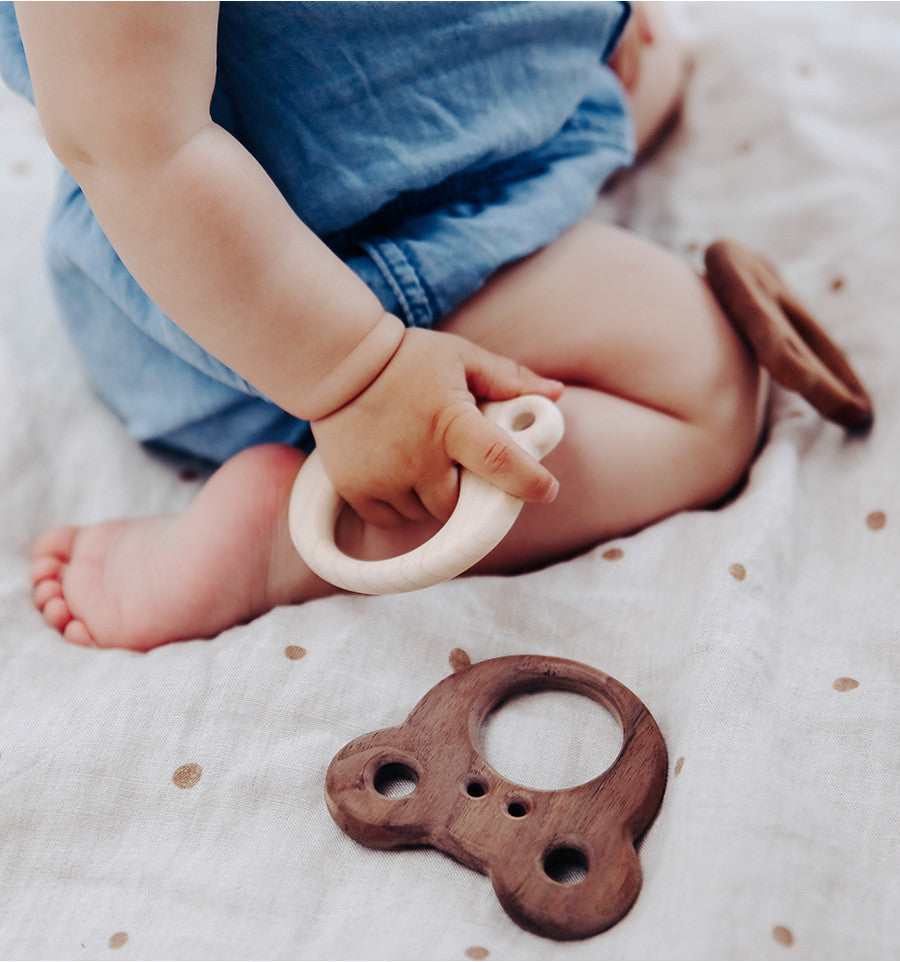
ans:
(785, 338)
(511, 833)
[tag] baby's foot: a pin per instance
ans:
(139, 584)
(652, 66)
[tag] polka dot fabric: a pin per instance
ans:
(171, 806)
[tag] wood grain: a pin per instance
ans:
(515, 835)
(785, 338)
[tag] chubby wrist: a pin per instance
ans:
(357, 370)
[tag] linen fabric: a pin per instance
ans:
(171, 805)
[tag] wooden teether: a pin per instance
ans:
(786, 339)
(514, 835)
(482, 517)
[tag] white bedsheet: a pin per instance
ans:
(762, 636)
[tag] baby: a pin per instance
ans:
(345, 224)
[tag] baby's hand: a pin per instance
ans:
(392, 452)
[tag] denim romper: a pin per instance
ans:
(427, 144)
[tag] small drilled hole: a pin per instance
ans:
(395, 780)
(517, 809)
(476, 789)
(568, 866)
(523, 421)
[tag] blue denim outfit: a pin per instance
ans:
(427, 144)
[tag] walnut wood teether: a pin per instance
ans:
(483, 514)
(514, 835)
(786, 340)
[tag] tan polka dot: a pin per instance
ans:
(20, 168)
(294, 652)
(613, 554)
(844, 684)
(805, 69)
(745, 146)
(837, 283)
(876, 520)
(477, 952)
(187, 776)
(737, 571)
(118, 940)
(459, 659)
(692, 247)
(678, 766)
(783, 936)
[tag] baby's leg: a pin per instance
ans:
(663, 413)
(665, 405)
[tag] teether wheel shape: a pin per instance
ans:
(509, 832)
(482, 517)
(783, 335)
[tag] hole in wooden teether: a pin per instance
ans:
(476, 789)
(523, 421)
(395, 780)
(550, 739)
(517, 809)
(568, 866)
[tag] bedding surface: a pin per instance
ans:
(171, 805)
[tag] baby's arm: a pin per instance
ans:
(123, 92)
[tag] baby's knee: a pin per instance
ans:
(729, 429)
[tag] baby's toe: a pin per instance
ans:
(56, 613)
(45, 568)
(46, 590)
(76, 633)
(55, 543)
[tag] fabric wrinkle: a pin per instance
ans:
(428, 145)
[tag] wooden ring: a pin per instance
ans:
(482, 516)
(786, 340)
(462, 806)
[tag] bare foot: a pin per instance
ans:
(652, 66)
(142, 583)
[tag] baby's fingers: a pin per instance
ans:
(486, 449)
(376, 512)
(439, 493)
(395, 508)
(492, 377)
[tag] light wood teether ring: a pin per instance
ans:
(786, 340)
(513, 834)
(482, 517)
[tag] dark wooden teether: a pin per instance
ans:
(785, 338)
(514, 835)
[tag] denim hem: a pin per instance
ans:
(399, 267)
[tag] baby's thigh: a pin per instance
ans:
(605, 309)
